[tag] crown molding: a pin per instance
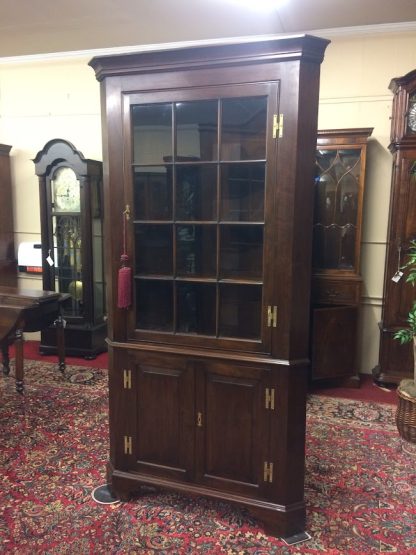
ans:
(379, 29)
(385, 28)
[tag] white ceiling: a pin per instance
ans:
(46, 26)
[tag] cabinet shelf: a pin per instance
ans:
(236, 281)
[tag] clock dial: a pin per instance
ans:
(411, 117)
(66, 191)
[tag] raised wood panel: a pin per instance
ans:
(233, 444)
(165, 408)
(334, 331)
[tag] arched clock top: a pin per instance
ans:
(58, 151)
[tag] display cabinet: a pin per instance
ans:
(209, 178)
(8, 262)
(336, 281)
(396, 360)
(71, 204)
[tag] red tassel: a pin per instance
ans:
(124, 283)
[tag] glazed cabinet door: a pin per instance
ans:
(232, 427)
(201, 186)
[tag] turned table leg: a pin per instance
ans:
(6, 359)
(60, 339)
(19, 361)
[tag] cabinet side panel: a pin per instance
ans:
(295, 178)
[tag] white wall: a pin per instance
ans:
(50, 99)
(354, 92)
(38, 102)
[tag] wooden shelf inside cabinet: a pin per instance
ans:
(336, 281)
(208, 366)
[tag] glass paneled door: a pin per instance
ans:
(67, 238)
(336, 208)
(199, 185)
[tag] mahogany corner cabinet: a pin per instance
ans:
(209, 158)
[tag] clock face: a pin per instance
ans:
(66, 191)
(411, 117)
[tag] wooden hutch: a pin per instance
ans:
(208, 159)
(336, 281)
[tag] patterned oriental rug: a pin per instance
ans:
(360, 481)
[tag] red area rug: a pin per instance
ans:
(360, 481)
(31, 352)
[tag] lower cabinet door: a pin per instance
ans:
(334, 342)
(164, 443)
(232, 428)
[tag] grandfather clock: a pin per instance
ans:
(70, 189)
(396, 360)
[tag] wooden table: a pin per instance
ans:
(24, 310)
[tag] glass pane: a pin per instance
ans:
(154, 305)
(196, 304)
(336, 206)
(152, 193)
(154, 249)
(97, 250)
(241, 251)
(196, 192)
(325, 199)
(240, 311)
(243, 133)
(152, 133)
(196, 130)
(349, 168)
(98, 276)
(346, 260)
(66, 192)
(242, 192)
(67, 261)
(196, 250)
(99, 300)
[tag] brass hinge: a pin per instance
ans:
(127, 379)
(128, 445)
(272, 316)
(199, 419)
(268, 472)
(269, 398)
(277, 126)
